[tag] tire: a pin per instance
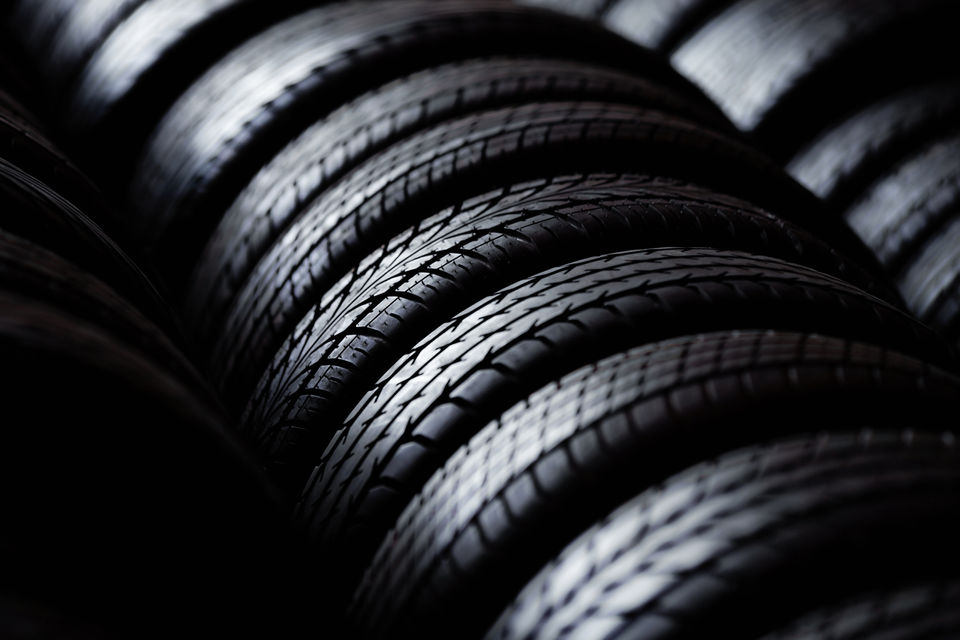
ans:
(923, 611)
(743, 544)
(34, 273)
(15, 87)
(657, 24)
(911, 219)
(462, 158)
(242, 112)
(589, 9)
(425, 276)
(843, 160)
(23, 145)
(81, 32)
(35, 213)
(932, 281)
(660, 24)
(910, 205)
(472, 368)
(143, 65)
(110, 467)
(329, 149)
(782, 69)
(34, 23)
(11, 107)
(507, 502)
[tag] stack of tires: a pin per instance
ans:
(127, 502)
(523, 332)
(857, 99)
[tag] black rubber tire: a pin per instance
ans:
(932, 280)
(242, 112)
(589, 9)
(910, 205)
(351, 134)
(843, 160)
(16, 79)
(507, 502)
(32, 211)
(11, 107)
(143, 65)
(660, 24)
(466, 157)
(739, 546)
(911, 219)
(34, 23)
(111, 468)
(85, 26)
(928, 611)
(34, 273)
(403, 291)
(782, 69)
(23, 145)
(490, 356)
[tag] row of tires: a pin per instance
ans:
(128, 502)
(859, 101)
(516, 327)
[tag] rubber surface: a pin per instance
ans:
(925, 611)
(110, 468)
(240, 113)
(423, 277)
(10, 106)
(490, 356)
(591, 9)
(80, 33)
(910, 204)
(469, 156)
(911, 217)
(932, 282)
(23, 145)
(40, 275)
(845, 158)
(337, 143)
(660, 24)
(520, 490)
(35, 22)
(144, 64)
(17, 86)
(34, 212)
(782, 68)
(720, 546)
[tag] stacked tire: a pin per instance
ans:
(128, 504)
(857, 99)
(530, 339)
